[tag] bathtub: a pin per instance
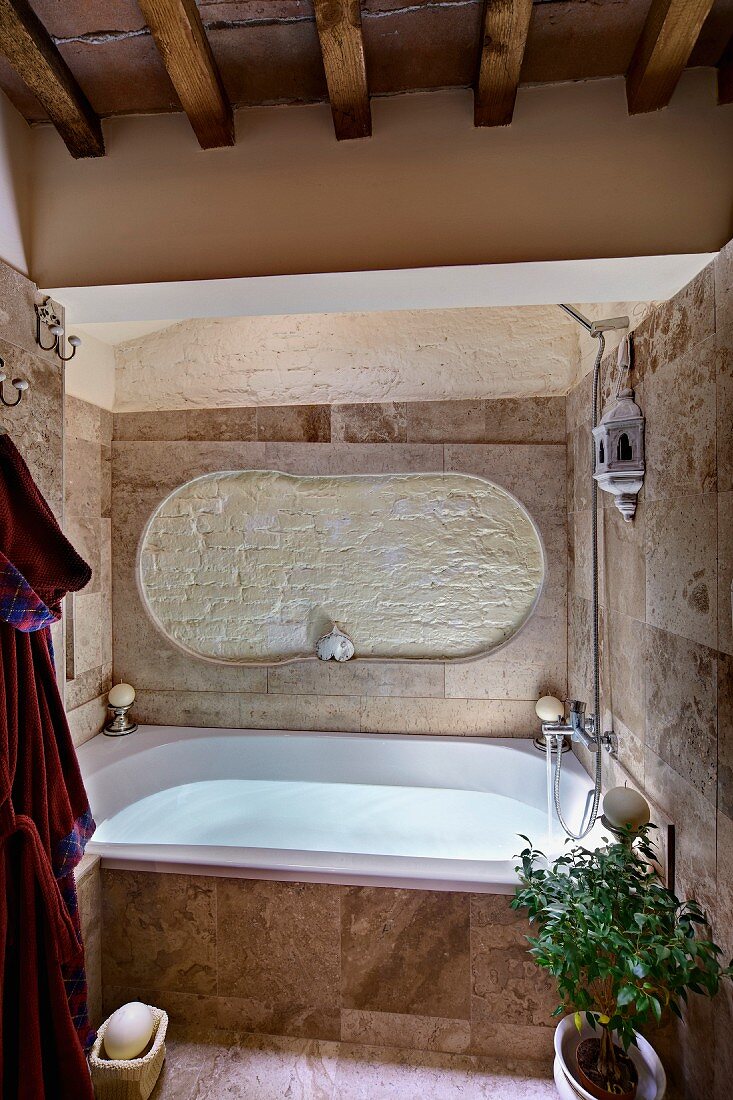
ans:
(439, 813)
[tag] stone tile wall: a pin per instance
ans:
(87, 520)
(36, 425)
(89, 892)
(377, 966)
(667, 641)
(519, 444)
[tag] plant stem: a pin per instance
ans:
(607, 1064)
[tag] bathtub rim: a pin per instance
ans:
(400, 872)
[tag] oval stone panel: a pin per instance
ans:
(254, 566)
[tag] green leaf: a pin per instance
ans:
(578, 1021)
(602, 919)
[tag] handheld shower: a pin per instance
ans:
(587, 729)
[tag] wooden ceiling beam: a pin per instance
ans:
(662, 52)
(29, 48)
(186, 53)
(342, 48)
(504, 29)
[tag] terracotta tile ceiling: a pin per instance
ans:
(305, 51)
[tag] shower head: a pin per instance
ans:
(595, 328)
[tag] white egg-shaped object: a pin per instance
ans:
(625, 806)
(128, 1031)
(549, 709)
(121, 695)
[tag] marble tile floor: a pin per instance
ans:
(208, 1067)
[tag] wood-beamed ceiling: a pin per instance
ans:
(504, 31)
(30, 49)
(665, 44)
(186, 53)
(342, 48)
(109, 57)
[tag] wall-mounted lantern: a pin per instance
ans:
(619, 452)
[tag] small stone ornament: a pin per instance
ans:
(335, 646)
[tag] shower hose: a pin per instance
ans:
(591, 814)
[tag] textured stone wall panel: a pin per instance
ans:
(255, 566)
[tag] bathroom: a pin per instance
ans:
(381, 352)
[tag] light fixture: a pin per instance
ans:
(46, 314)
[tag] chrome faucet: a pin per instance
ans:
(580, 726)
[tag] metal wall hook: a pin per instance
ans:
(46, 315)
(75, 342)
(19, 384)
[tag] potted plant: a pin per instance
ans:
(621, 947)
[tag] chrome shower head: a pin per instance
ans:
(595, 328)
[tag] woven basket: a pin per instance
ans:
(129, 1080)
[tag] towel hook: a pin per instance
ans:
(19, 384)
(46, 315)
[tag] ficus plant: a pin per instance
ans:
(621, 947)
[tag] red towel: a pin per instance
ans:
(44, 813)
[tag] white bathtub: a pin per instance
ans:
(431, 812)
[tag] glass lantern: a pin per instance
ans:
(619, 452)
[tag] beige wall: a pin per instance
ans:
(518, 444)
(428, 189)
(90, 375)
(667, 638)
(15, 187)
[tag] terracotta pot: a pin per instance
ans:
(595, 1089)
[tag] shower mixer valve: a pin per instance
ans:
(579, 726)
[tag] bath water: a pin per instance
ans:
(428, 822)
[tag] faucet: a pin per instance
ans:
(580, 726)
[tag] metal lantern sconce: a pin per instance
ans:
(46, 315)
(619, 446)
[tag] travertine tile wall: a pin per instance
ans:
(667, 642)
(89, 892)
(87, 522)
(373, 965)
(519, 444)
(36, 424)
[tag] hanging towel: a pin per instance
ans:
(44, 812)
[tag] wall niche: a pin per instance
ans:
(252, 566)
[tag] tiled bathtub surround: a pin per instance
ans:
(374, 966)
(667, 643)
(519, 444)
(87, 522)
(89, 890)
